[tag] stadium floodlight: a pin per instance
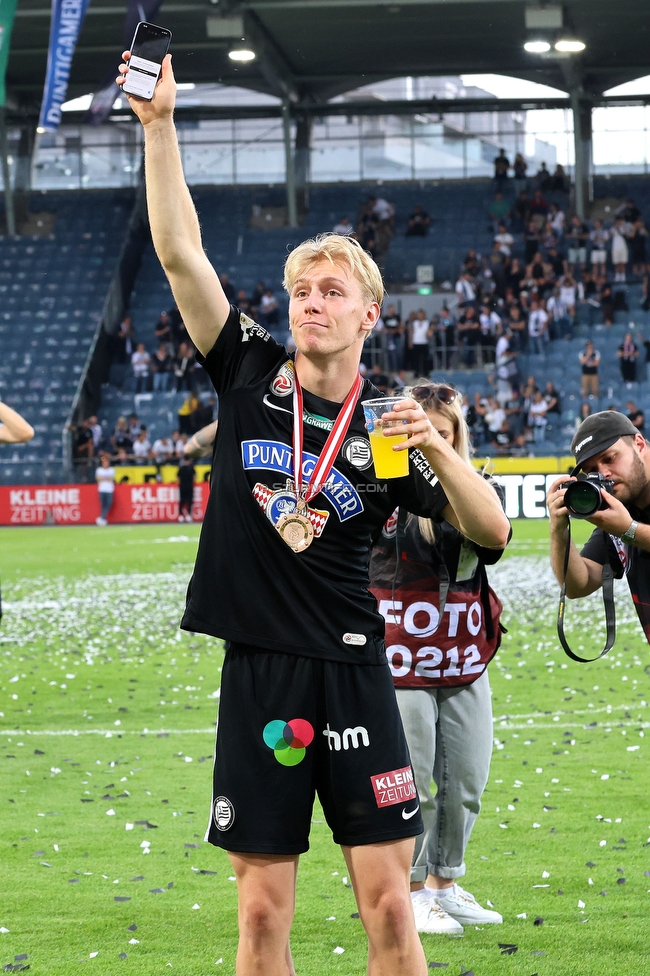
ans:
(569, 45)
(537, 47)
(241, 54)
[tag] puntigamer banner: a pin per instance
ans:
(67, 18)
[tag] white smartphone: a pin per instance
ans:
(149, 47)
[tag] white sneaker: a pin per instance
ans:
(430, 918)
(181, 518)
(464, 907)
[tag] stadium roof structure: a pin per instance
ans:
(308, 51)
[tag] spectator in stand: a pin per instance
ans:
(531, 241)
(185, 489)
(518, 325)
(121, 439)
(472, 263)
(521, 211)
(507, 376)
(493, 273)
(501, 167)
(134, 425)
(142, 447)
(628, 211)
(502, 440)
(538, 275)
(393, 339)
(495, 414)
(504, 239)
(491, 325)
(420, 332)
(124, 341)
(606, 300)
(162, 365)
(245, 304)
(638, 240)
(180, 441)
(559, 180)
(184, 365)
(519, 446)
(418, 223)
(256, 297)
(543, 178)
(269, 311)
(499, 209)
(556, 220)
(465, 290)
(379, 379)
(185, 414)
(537, 416)
(569, 293)
(628, 353)
(520, 166)
(344, 227)
(228, 288)
(538, 209)
(97, 432)
(105, 477)
(141, 362)
(636, 416)
(446, 338)
(84, 445)
(537, 329)
(560, 323)
(515, 275)
(620, 252)
(384, 214)
(585, 411)
(553, 403)
(576, 238)
(163, 450)
(599, 238)
(122, 457)
(469, 335)
(589, 360)
(164, 332)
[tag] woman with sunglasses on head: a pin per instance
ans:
(438, 659)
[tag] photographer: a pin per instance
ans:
(608, 444)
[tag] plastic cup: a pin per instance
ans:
(388, 463)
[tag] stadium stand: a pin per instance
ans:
(52, 291)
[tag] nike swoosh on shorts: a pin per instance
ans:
(407, 816)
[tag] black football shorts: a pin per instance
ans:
(290, 727)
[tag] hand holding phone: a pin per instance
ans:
(148, 49)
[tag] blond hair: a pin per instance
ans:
(337, 249)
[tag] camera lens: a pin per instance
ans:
(582, 499)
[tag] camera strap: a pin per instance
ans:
(608, 600)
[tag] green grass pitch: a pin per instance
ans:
(107, 718)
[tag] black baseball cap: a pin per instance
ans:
(598, 432)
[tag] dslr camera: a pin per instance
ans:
(583, 498)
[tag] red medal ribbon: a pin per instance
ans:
(332, 445)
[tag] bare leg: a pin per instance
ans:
(380, 877)
(266, 885)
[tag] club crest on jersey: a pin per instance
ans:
(276, 456)
(275, 504)
(283, 382)
(356, 452)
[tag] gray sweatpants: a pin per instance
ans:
(449, 734)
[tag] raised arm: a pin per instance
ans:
(14, 429)
(174, 222)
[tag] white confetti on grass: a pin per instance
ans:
(338, 951)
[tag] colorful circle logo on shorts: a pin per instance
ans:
(289, 740)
